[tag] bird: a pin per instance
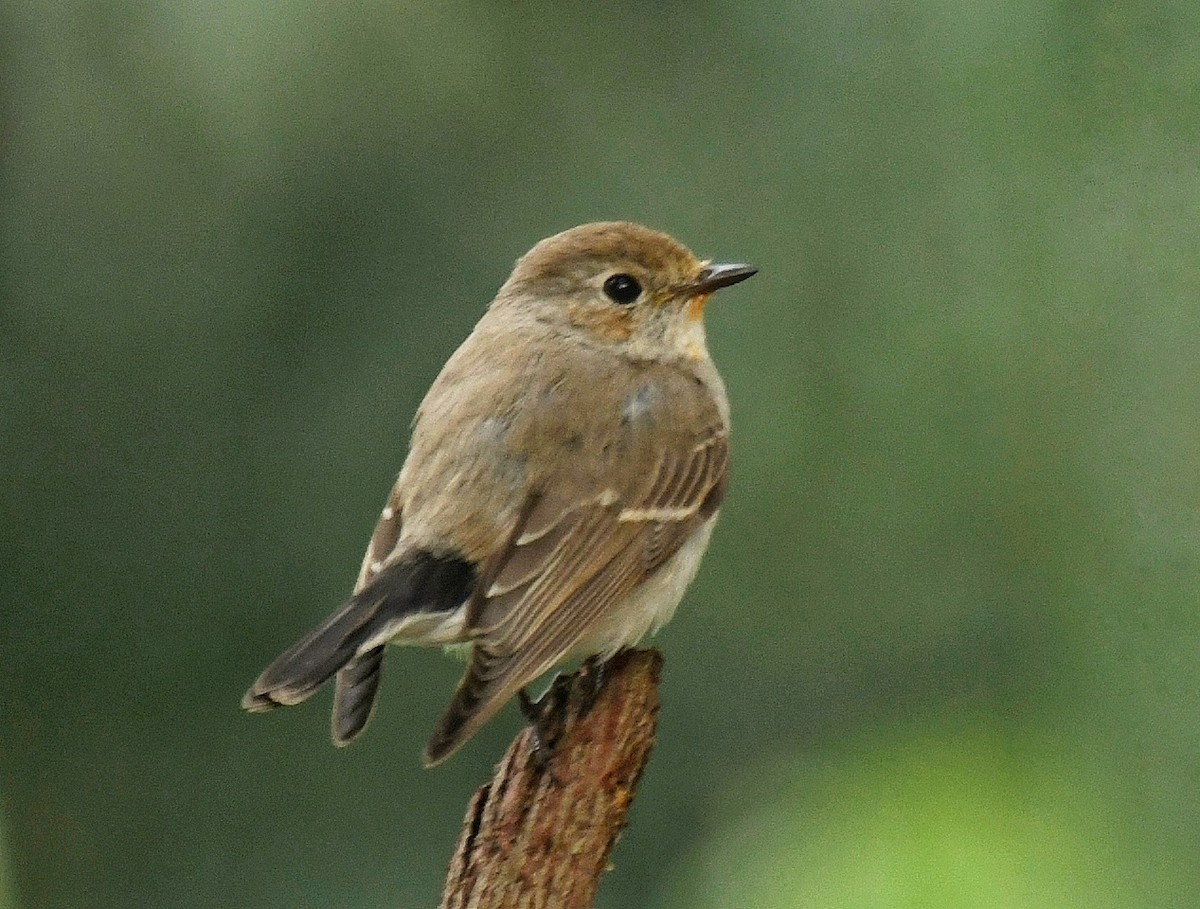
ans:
(563, 477)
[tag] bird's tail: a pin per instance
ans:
(408, 599)
(354, 695)
(310, 662)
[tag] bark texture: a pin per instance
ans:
(540, 833)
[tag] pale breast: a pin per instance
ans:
(651, 604)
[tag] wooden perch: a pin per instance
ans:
(540, 833)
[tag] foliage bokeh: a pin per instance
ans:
(954, 587)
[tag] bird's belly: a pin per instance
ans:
(650, 605)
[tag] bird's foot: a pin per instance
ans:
(592, 675)
(545, 718)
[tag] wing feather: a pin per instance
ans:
(580, 551)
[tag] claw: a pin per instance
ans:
(592, 676)
(544, 718)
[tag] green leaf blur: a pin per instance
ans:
(965, 818)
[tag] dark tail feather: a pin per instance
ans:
(310, 662)
(419, 582)
(354, 695)
(484, 689)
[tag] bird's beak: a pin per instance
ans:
(714, 277)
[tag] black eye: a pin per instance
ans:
(623, 289)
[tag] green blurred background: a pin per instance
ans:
(945, 649)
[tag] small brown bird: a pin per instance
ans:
(561, 486)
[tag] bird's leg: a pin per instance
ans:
(529, 710)
(592, 676)
(544, 717)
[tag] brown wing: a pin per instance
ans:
(577, 552)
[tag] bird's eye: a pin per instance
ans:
(623, 289)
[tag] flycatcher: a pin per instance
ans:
(561, 486)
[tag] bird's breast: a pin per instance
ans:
(651, 604)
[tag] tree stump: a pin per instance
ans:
(541, 832)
